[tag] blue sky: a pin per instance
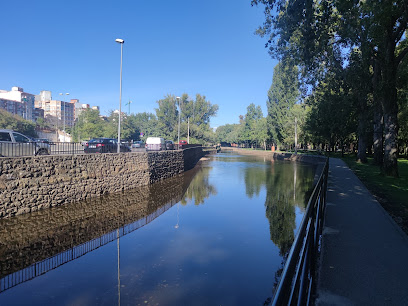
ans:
(171, 47)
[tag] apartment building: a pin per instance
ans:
(18, 102)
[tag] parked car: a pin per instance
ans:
(43, 140)
(138, 144)
(104, 145)
(16, 144)
(155, 144)
(182, 143)
(169, 145)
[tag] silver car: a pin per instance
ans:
(16, 144)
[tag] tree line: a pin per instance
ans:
(352, 63)
(195, 115)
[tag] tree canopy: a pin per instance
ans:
(16, 123)
(321, 36)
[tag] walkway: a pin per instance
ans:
(364, 259)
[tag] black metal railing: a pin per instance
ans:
(59, 259)
(297, 279)
(16, 149)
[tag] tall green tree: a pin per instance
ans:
(252, 117)
(311, 32)
(195, 118)
(89, 125)
(282, 96)
(167, 117)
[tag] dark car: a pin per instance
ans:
(138, 144)
(104, 145)
(169, 145)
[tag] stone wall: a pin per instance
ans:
(28, 184)
(52, 231)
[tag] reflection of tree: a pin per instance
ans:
(287, 185)
(199, 188)
(281, 215)
(254, 180)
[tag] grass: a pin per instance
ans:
(392, 193)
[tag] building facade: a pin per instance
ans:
(59, 112)
(18, 102)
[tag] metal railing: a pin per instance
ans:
(297, 279)
(15, 149)
(64, 257)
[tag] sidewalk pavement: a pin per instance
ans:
(364, 258)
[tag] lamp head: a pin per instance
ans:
(118, 40)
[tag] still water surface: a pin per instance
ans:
(216, 235)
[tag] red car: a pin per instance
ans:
(182, 143)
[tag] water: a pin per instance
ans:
(217, 235)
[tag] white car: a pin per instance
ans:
(16, 144)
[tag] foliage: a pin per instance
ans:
(228, 133)
(89, 125)
(284, 108)
(16, 123)
(195, 118)
(319, 37)
(164, 124)
(331, 117)
(199, 188)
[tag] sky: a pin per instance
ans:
(171, 47)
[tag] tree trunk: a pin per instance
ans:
(378, 117)
(378, 136)
(362, 146)
(390, 110)
(390, 165)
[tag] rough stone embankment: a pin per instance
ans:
(28, 184)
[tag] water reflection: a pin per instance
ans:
(225, 252)
(45, 239)
(284, 192)
(200, 188)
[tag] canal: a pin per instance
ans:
(216, 235)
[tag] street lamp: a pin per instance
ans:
(121, 42)
(178, 137)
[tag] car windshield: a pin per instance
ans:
(98, 140)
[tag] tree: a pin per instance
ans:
(167, 116)
(195, 118)
(282, 96)
(228, 133)
(146, 123)
(90, 125)
(332, 118)
(253, 115)
(16, 123)
(311, 32)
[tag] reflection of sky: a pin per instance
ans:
(221, 253)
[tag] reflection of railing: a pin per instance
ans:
(53, 262)
(295, 285)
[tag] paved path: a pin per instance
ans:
(364, 259)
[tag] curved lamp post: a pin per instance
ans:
(121, 42)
